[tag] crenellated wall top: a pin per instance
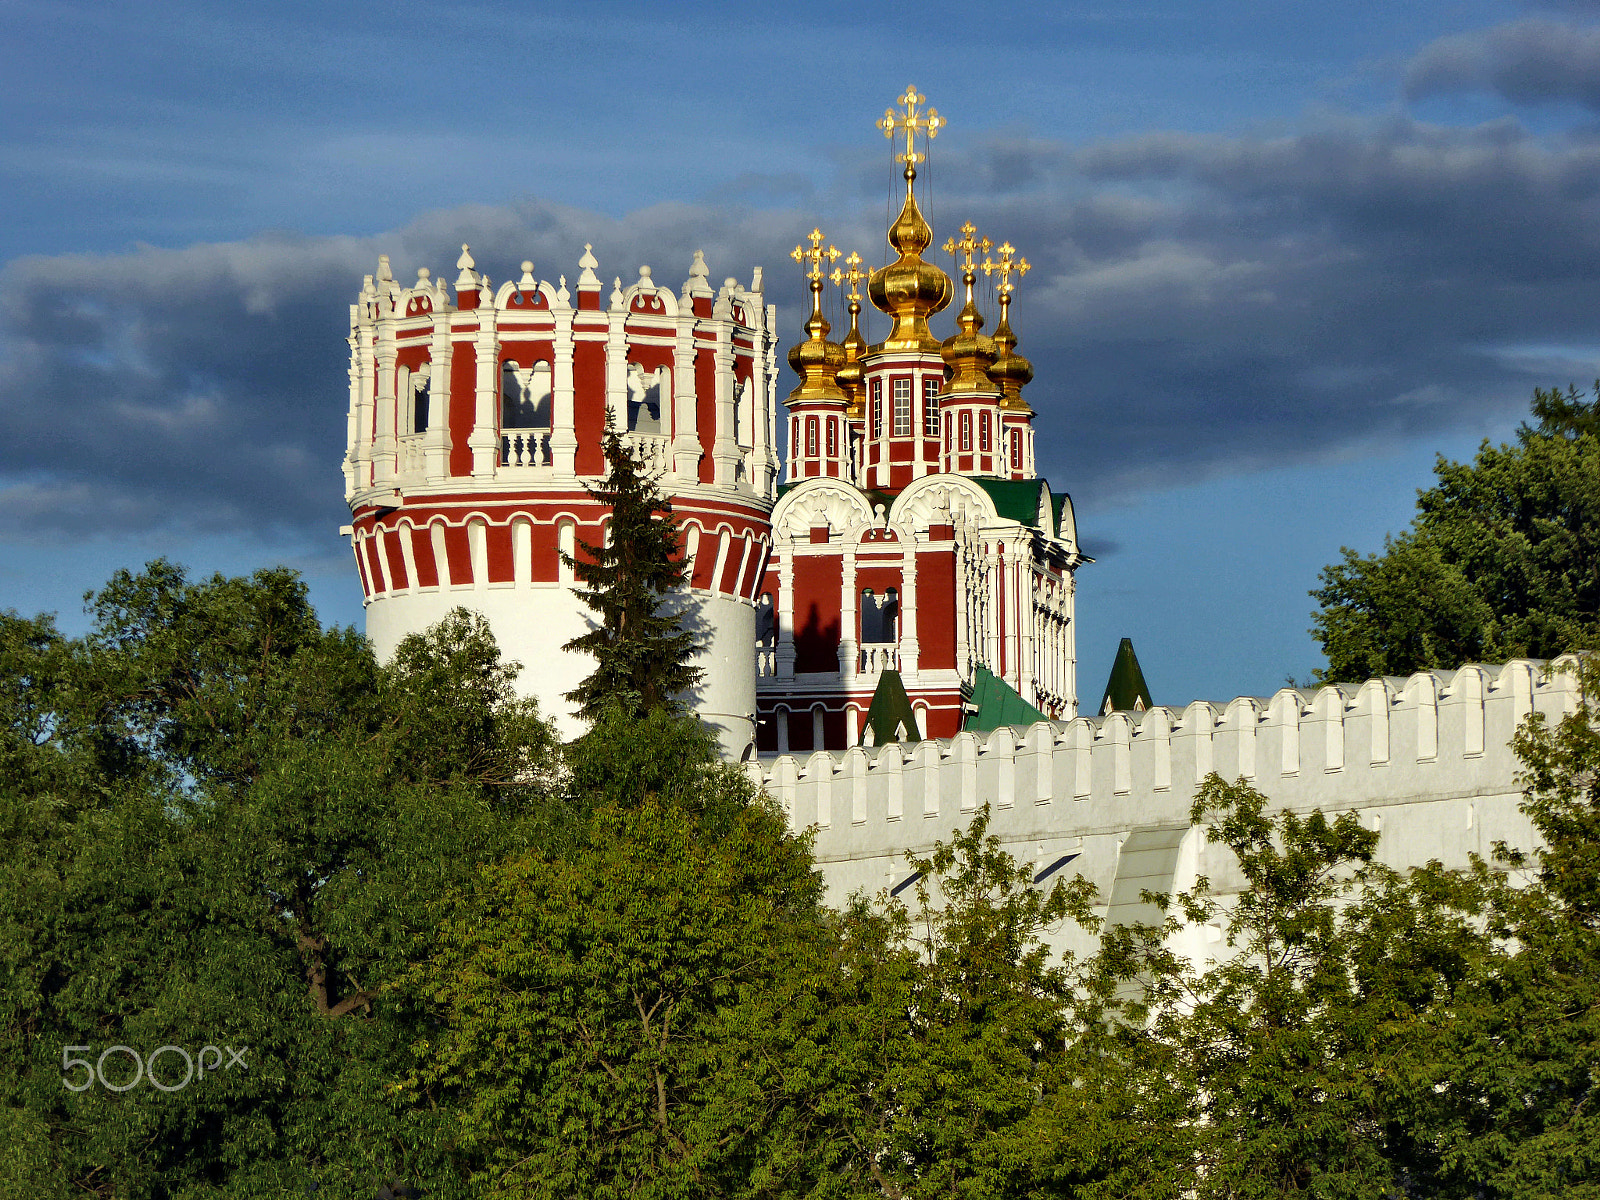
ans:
(1388, 740)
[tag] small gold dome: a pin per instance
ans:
(817, 360)
(1010, 371)
(969, 353)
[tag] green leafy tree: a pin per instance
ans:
(1502, 560)
(990, 1065)
(222, 824)
(620, 1020)
(1315, 1049)
(1515, 1113)
(642, 652)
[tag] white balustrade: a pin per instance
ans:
(653, 450)
(766, 661)
(877, 657)
(412, 461)
(524, 447)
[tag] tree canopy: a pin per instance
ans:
(1502, 560)
(461, 956)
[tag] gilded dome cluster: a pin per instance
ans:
(910, 290)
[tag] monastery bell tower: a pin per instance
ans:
(476, 419)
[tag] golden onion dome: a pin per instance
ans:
(910, 289)
(968, 353)
(1010, 371)
(817, 360)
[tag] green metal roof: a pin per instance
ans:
(1016, 499)
(889, 716)
(997, 704)
(1126, 690)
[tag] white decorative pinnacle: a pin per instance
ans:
(755, 283)
(616, 293)
(527, 283)
(588, 262)
(423, 280)
(699, 281)
(468, 278)
(385, 275)
(564, 297)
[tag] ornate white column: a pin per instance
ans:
(849, 645)
(485, 439)
(784, 615)
(436, 442)
(383, 443)
(909, 646)
(563, 419)
(685, 423)
(725, 453)
(617, 359)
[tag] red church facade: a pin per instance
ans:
(913, 533)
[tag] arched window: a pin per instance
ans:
(966, 431)
(524, 395)
(930, 408)
(413, 393)
(983, 432)
(833, 437)
(811, 437)
(871, 618)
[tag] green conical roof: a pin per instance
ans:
(1126, 690)
(889, 716)
(997, 703)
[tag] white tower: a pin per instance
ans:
(474, 425)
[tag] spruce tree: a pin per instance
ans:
(641, 652)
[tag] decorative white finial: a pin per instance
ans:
(564, 297)
(588, 262)
(467, 279)
(699, 281)
(755, 282)
(422, 277)
(616, 293)
(527, 283)
(385, 275)
(644, 277)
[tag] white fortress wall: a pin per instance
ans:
(1426, 761)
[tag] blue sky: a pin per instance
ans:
(1284, 253)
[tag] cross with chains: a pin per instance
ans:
(1007, 266)
(814, 256)
(964, 250)
(853, 276)
(911, 120)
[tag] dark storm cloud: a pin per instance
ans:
(1198, 304)
(1527, 62)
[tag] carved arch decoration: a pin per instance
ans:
(645, 297)
(819, 501)
(942, 500)
(518, 296)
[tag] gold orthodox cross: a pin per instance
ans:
(969, 245)
(1007, 266)
(911, 120)
(814, 257)
(853, 276)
